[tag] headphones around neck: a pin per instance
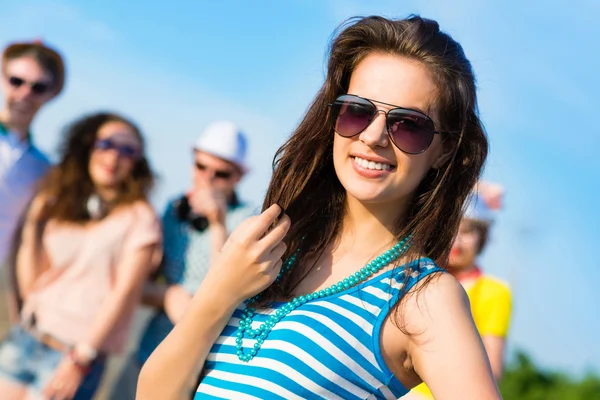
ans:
(184, 212)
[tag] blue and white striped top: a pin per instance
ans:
(327, 348)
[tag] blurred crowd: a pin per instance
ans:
(82, 247)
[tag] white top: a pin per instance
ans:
(21, 166)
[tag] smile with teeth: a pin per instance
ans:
(366, 164)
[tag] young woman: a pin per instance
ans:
(372, 183)
(87, 245)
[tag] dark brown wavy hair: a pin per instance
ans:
(68, 185)
(304, 181)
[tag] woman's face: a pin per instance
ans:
(115, 153)
(404, 83)
(27, 87)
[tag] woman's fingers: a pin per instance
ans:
(276, 235)
(277, 267)
(262, 222)
(278, 251)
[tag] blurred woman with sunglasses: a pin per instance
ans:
(32, 75)
(356, 303)
(88, 243)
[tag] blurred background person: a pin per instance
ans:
(195, 227)
(88, 243)
(490, 298)
(32, 75)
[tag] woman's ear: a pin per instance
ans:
(448, 147)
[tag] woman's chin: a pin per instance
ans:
(367, 195)
(105, 183)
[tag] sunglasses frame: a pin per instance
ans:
(385, 113)
(37, 88)
(217, 173)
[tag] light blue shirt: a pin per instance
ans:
(21, 166)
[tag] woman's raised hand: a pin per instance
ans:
(251, 258)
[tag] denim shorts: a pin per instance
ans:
(26, 361)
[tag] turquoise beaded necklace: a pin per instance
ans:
(245, 327)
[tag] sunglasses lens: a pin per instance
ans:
(350, 115)
(104, 144)
(411, 131)
(222, 175)
(123, 150)
(128, 151)
(15, 82)
(39, 88)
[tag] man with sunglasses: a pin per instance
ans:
(195, 227)
(32, 75)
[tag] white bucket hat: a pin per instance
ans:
(225, 140)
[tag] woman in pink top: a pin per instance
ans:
(88, 242)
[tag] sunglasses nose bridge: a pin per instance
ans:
(376, 136)
(207, 173)
(376, 114)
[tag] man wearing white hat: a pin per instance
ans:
(490, 298)
(195, 228)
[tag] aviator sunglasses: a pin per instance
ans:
(217, 173)
(124, 150)
(411, 131)
(36, 87)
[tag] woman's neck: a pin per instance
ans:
(369, 225)
(107, 194)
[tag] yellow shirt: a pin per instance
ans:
(491, 307)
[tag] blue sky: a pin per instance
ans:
(175, 68)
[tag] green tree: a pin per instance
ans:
(523, 380)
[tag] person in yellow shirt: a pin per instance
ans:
(490, 297)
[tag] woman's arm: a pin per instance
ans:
(447, 352)
(132, 272)
(494, 346)
(31, 260)
(494, 305)
(218, 237)
(166, 373)
(249, 262)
